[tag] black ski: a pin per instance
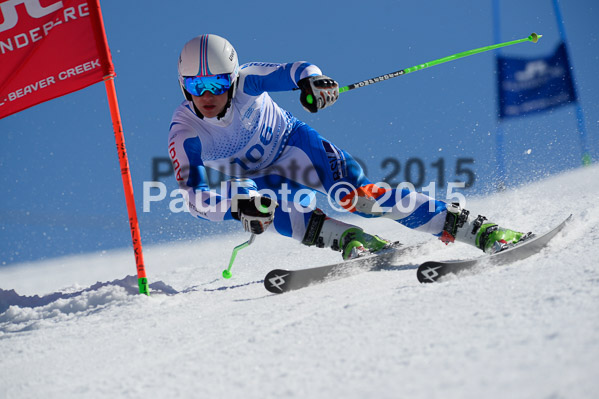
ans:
(279, 280)
(430, 272)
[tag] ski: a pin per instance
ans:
(280, 280)
(430, 272)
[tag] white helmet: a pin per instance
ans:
(208, 55)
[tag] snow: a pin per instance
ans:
(75, 327)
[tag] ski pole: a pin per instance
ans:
(532, 38)
(227, 271)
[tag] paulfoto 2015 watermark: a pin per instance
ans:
(381, 199)
(402, 188)
(394, 171)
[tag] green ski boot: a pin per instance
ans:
(350, 240)
(479, 232)
(492, 238)
(357, 243)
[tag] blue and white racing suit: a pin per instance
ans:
(284, 158)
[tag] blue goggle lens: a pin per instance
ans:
(215, 84)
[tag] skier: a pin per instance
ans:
(228, 122)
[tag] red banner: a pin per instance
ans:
(49, 48)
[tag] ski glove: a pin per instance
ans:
(255, 213)
(318, 92)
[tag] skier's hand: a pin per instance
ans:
(318, 92)
(255, 213)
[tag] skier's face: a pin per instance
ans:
(209, 104)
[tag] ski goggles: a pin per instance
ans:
(215, 84)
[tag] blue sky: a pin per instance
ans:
(61, 184)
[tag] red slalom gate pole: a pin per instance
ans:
(109, 74)
(127, 184)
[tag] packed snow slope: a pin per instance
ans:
(75, 327)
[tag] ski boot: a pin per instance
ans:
(479, 232)
(350, 240)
